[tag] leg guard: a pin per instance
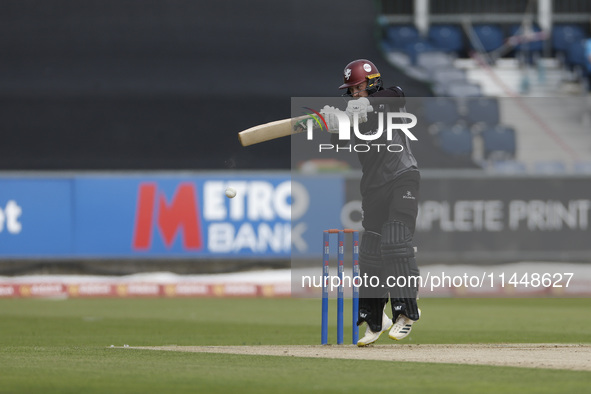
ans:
(400, 266)
(405, 306)
(371, 300)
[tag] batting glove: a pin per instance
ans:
(330, 116)
(360, 106)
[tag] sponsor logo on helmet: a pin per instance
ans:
(367, 67)
(347, 74)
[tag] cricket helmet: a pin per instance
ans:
(362, 70)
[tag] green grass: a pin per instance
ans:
(62, 346)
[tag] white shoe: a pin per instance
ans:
(370, 336)
(402, 327)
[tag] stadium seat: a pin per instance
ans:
(588, 55)
(396, 37)
(464, 89)
(575, 55)
(441, 110)
(447, 38)
(448, 74)
(442, 78)
(483, 110)
(455, 140)
(549, 167)
(499, 142)
(582, 167)
(563, 35)
(434, 60)
(508, 167)
(490, 36)
(416, 47)
(531, 47)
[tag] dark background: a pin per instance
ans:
(145, 84)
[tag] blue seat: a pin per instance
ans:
(434, 60)
(563, 35)
(532, 46)
(483, 110)
(582, 167)
(455, 140)
(443, 78)
(575, 54)
(416, 47)
(588, 55)
(397, 37)
(491, 36)
(447, 38)
(464, 89)
(508, 167)
(549, 167)
(448, 74)
(441, 110)
(499, 142)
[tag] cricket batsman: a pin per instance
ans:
(390, 192)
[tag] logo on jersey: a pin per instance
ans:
(409, 196)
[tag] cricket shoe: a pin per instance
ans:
(402, 327)
(370, 336)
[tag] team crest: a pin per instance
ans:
(347, 74)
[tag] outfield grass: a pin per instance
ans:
(62, 346)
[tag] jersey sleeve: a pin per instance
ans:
(391, 98)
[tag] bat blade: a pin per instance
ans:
(270, 131)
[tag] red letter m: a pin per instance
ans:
(182, 213)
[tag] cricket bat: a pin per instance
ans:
(272, 130)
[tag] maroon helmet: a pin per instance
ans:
(362, 70)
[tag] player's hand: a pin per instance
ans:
(360, 106)
(330, 116)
